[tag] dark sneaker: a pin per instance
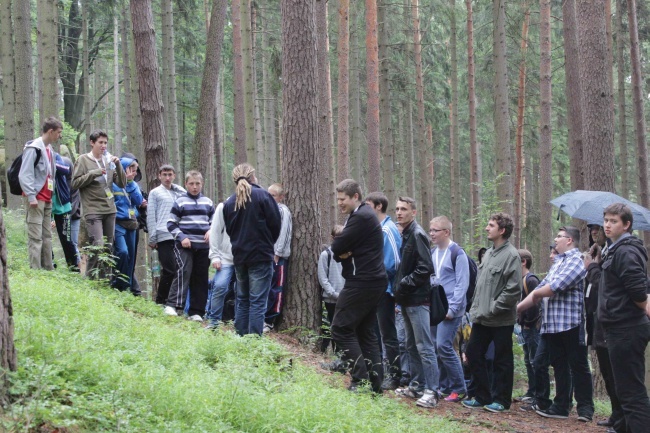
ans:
(409, 392)
(471, 404)
(525, 399)
(585, 417)
(532, 407)
(494, 407)
(551, 412)
(605, 423)
(336, 366)
(390, 384)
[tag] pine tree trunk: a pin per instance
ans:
(501, 108)
(410, 151)
(519, 141)
(126, 66)
(218, 144)
(270, 139)
(85, 65)
(12, 147)
(151, 105)
(325, 139)
(422, 147)
(454, 165)
(262, 164)
(116, 86)
(208, 98)
(385, 112)
(7, 349)
(474, 152)
(574, 98)
(24, 90)
(247, 70)
(343, 124)
(300, 103)
(238, 85)
(597, 116)
(169, 74)
(372, 101)
(622, 120)
(356, 134)
(639, 115)
(545, 143)
(47, 37)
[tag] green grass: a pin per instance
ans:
(92, 359)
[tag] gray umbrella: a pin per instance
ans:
(589, 206)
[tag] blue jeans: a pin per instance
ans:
(531, 341)
(253, 285)
(401, 337)
(420, 347)
(124, 249)
(220, 284)
(447, 356)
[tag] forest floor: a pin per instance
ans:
(476, 420)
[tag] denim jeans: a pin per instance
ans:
(448, 358)
(420, 347)
(124, 249)
(627, 348)
(253, 285)
(571, 369)
(220, 284)
(401, 338)
(531, 341)
(386, 320)
(276, 295)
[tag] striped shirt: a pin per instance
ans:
(190, 218)
(566, 277)
(282, 246)
(159, 205)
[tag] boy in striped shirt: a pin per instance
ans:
(189, 224)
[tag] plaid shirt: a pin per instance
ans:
(566, 277)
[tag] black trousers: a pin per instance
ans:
(388, 334)
(605, 366)
(627, 353)
(504, 365)
(354, 332)
(63, 230)
(167, 269)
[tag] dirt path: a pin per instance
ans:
(476, 420)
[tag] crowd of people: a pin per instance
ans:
(377, 279)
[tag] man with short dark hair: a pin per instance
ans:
(413, 294)
(94, 174)
(493, 314)
(561, 292)
(624, 311)
(37, 182)
(386, 309)
(359, 249)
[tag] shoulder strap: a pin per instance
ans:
(455, 249)
(526, 284)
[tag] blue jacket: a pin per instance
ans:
(253, 229)
(127, 198)
(392, 245)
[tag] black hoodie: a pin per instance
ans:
(623, 282)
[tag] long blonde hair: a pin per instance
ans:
(241, 175)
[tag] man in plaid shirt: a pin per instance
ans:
(561, 293)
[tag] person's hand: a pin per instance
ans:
(115, 159)
(186, 243)
(346, 255)
(587, 260)
(217, 265)
(144, 203)
(206, 236)
(647, 309)
(276, 259)
(596, 252)
(526, 304)
(33, 204)
(52, 224)
(153, 246)
(448, 317)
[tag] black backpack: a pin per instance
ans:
(473, 271)
(14, 171)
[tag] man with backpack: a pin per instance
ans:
(452, 273)
(36, 178)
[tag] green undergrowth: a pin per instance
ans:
(92, 359)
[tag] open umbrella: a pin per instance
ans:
(590, 205)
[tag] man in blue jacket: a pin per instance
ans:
(253, 223)
(359, 248)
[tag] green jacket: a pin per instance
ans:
(498, 287)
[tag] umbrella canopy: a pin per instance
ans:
(590, 205)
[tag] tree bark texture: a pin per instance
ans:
(501, 108)
(372, 102)
(85, 74)
(639, 115)
(622, 115)
(385, 112)
(7, 348)
(151, 105)
(545, 143)
(343, 124)
(169, 72)
(12, 146)
(24, 90)
(325, 133)
(300, 135)
(454, 163)
(238, 85)
(356, 142)
(247, 70)
(126, 67)
(474, 152)
(573, 95)
(519, 140)
(208, 99)
(270, 103)
(46, 38)
(422, 147)
(117, 106)
(597, 116)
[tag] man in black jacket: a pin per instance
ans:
(413, 293)
(359, 248)
(624, 313)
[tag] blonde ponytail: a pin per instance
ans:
(241, 175)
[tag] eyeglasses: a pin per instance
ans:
(436, 230)
(562, 236)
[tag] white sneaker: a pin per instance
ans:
(195, 318)
(267, 328)
(429, 399)
(170, 311)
